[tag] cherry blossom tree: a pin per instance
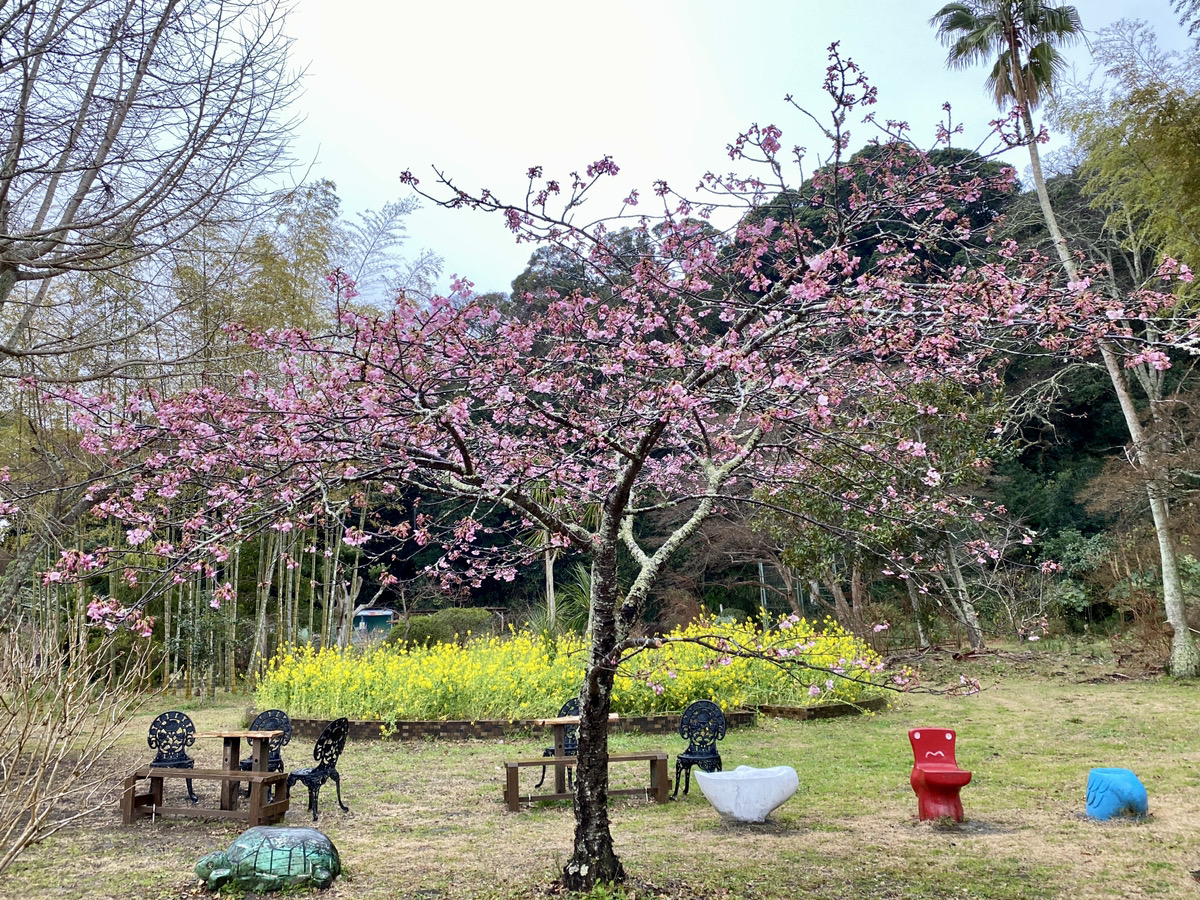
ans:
(711, 371)
(946, 437)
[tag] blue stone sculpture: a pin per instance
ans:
(1115, 792)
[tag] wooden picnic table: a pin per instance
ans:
(558, 726)
(261, 781)
(656, 789)
(231, 756)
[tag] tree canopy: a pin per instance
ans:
(1137, 130)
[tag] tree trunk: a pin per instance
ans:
(548, 558)
(611, 621)
(180, 615)
(18, 576)
(841, 609)
(189, 658)
(266, 549)
(858, 593)
(593, 859)
(166, 678)
(328, 570)
(312, 593)
(281, 619)
(351, 591)
(231, 624)
(914, 597)
(960, 600)
(1185, 657)
(791, 588)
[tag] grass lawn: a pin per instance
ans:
(427, 820)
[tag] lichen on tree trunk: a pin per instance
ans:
(593, 859)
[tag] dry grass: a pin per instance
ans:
(427, 819)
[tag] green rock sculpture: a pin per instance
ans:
(269, 858)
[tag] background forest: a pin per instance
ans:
(1076, 547)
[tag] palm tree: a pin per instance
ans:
(541, 538)
(1021, 39)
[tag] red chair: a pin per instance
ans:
(936, 777)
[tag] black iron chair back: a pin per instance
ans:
(571, 732)
(271, 720)
(331, 743)
(170, 735)
(702, 725)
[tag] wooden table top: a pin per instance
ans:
(569, 720)
(240, 733)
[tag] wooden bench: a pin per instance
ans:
(657, 790)
(256, 812)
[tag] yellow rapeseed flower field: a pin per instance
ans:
(524, 675)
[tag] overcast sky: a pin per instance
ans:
(484, 90)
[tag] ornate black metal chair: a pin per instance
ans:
(170, 736)
(329, 747)
(570, 738)
(702, 724)
(270, 720)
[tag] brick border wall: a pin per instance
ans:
(495, 729)
(824, 710)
